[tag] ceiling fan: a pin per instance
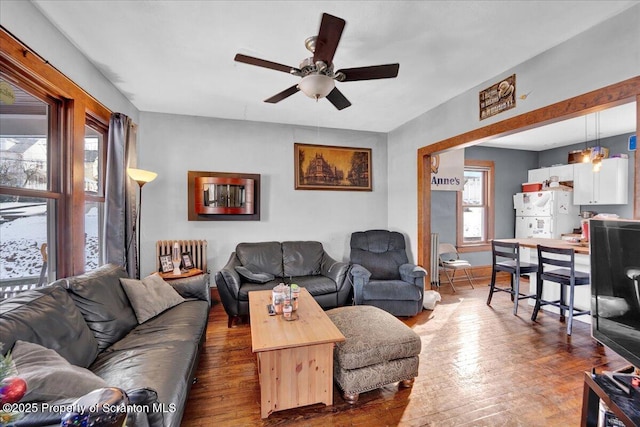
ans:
(318, 77)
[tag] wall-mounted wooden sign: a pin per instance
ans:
(498, 97)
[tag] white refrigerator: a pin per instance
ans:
(545, 214)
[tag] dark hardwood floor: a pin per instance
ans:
(479, 366)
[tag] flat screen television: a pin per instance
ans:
(615, 286)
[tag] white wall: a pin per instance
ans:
(607, 53)
(23, 20)
(172, 145)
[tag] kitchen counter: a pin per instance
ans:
(582, 248)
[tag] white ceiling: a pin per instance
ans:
(177, 56)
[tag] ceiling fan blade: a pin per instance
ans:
(337, 99)
(328, 38)
(282, 95)
(264, 63)
(387, 71)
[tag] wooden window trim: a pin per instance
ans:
(28, 69)
(489, 191)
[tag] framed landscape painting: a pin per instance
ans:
(324, 167)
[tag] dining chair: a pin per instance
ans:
(449, 260)
(506, 257)
(549, 259)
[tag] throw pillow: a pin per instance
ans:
(254, 277)
(48, 316)
(150, 296)
(103, 304)
(49, 376)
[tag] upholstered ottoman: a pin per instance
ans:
(379, 349)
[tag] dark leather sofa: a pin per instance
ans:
(89, 321)
(302, 262)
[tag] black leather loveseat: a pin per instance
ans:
(263, 265)
(89, 321)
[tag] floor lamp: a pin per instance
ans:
(141, 177)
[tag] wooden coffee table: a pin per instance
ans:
(295, 358)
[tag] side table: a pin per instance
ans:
(185, 273)
(596, 387)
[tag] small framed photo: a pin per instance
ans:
(166, 266)
(187, 262)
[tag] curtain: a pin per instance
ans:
(119, 228)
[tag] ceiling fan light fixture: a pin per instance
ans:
(321, 66)
(316, 86)
(318, 80)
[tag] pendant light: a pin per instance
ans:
(585, 153)
(596, 159)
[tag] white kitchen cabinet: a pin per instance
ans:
(563, 172)
(607, 187)
(538, 175)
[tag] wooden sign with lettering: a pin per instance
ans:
(447, 171)
(498, 97)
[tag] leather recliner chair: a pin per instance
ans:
(382, 275)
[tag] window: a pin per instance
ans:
(475, 207)
(30, 200)
(94, 155)
(52, 156)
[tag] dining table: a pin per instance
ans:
(580, 247)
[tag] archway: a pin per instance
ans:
(597, 100)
